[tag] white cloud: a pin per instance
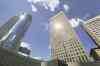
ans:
(29, 1)
(53, 4)
(75, 21)
(38, 58)
(66, 7)
(80, 20)
(42, 58)
(34, 9)
(86, 16)
(47, 4)
(36, 1)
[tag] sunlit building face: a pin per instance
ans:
(58, 26)
(65, 44)
(92, 27)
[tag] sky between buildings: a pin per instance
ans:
(37, 36)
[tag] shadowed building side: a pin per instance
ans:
(8, 25)
(14, 30)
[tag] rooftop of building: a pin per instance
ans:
(92, 19)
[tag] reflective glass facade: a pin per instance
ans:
(13, 31)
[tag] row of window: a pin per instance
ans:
(75, 59)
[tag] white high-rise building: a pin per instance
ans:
(65, 44)
(92, 27)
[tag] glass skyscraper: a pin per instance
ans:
(65, 44)
(12, 32)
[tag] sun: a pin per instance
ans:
(58, 26)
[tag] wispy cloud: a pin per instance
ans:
(75, 21)
(48, 4)
(38, 58)
(86, 16)
(34, 9)
(53, 4)
(42, 58)
(66, 7)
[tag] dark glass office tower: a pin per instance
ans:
(12, 32)
(65, 44)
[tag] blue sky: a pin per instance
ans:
(37, 35)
